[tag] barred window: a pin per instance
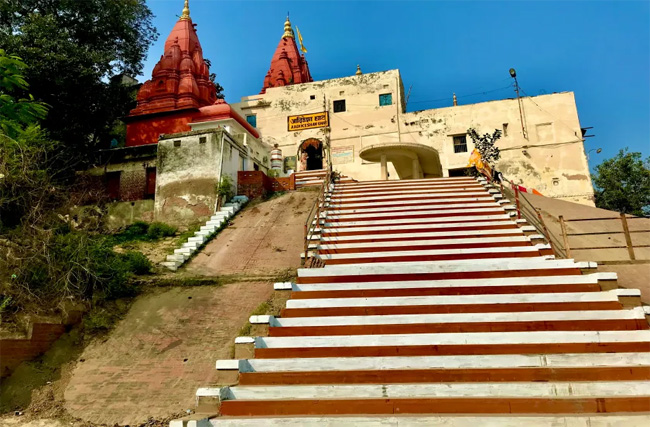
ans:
(460, 144)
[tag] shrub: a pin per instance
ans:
(159, 230)
(137, 262)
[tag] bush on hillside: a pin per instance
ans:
(158, 230)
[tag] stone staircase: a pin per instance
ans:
(205, 233)
(436, 306)
(315, 178)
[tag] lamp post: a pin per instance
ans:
(598, 151)
(513, 74)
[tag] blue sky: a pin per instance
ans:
(598, 49)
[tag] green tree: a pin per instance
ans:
(486, 144)
(25, 150)
(16, 113)
(76, 51)
(622, 184)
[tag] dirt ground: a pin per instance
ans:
(262, 239)
(150, 365)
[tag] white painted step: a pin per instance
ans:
(475, 234)
(431, 242)
(447, 300)
(604, 420)
(437, 202)
(408, 190)
(424, 391)
(434, 194)
(474, 338)
(420, 206)
(492, 209)
(457, 221)
(430, 252)
(455, 266)
(635, 313)
(459, 283)
(498, 361)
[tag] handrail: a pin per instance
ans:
(562, 247)
(625, 231)
(532, 215)
(314, 213)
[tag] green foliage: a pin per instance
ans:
(98, 320)
(78, 52)
(75, 264)
(158, 230)
(16, 112)
(622, 184)
(141, 231)
(138, 263)
(273, 173)
(486, 144)
(225, 189)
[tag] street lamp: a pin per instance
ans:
(598, 151)
(513, 74)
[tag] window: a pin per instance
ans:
(177, 143)
(460, 144)
(202, 139)
(252, 120)
(339, 106)
(342, 92)
(386, 99)
(505, 129)
(312, 96)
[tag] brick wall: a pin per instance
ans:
(256, 184)
(15, 351)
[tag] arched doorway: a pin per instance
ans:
(313, 148)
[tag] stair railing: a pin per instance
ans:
(313, 220)
(531, 214)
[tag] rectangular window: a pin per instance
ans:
(505, 129)
(460, 144)
(386, 99)
(339, 106)
(177, 143)
(202, 139)
(252, 120)
(312, 96)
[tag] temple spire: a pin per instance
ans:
(186, 10)
(288, 32)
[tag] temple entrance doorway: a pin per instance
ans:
(311, 154)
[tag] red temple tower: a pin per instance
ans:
(288, 65)
(180, 91)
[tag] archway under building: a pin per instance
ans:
(313, 148)
(411, 161)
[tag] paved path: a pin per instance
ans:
(261, 239)
(165, 348)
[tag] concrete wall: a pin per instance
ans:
(187, 176)
(363, 123)
(189, 171)
(551, 159)
(121, 214)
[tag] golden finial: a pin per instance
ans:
(358, 73)
(186, 10)
(288, 32)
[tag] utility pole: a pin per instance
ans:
(524, 131)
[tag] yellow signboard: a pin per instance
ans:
(308, 121)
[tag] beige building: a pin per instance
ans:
(370, 136)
